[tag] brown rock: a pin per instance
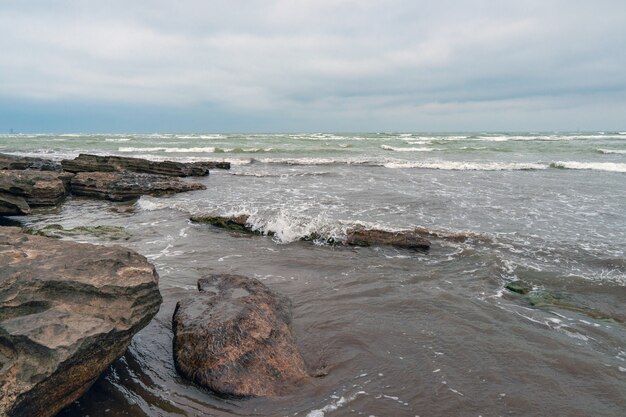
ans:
(96, 163)
(67, 311)
(37, 188)
(236, 223)
(123, 186)
(12, 205)
(406, 239)
(235, 339)
(24, 162)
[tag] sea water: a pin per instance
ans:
(403, 333)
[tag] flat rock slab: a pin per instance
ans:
(234, 338)
(67, 311)
(36, 188)
(123, 186)
(405, 239)
(98, 163)
(24, 162)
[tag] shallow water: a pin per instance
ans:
(404, 333)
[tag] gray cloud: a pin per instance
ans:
(325, 65)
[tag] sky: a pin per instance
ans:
(312, 66)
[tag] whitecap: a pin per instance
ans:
(391, 148)
(595, 166)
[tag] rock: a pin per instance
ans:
(235, 339)
(12, 205)
(123, 186)
(67, 311)
(15, 162)
(101, 231)
(96, 163)
(236, 223)
(37, 188)
(407, 239)
(519, 287)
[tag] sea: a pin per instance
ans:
(402, 333)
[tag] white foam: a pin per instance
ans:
(612, 151)
(391, 148)
(334, 405)
(209, 149)
(118, 139)
(466, 166)
(595, 166)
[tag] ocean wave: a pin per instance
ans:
(391, 148)
(466, 166)
(118, 139)
(610, 151)
(595, 166)
(208, 149)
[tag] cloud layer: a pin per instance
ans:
(312, 65)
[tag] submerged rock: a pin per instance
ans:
(236, 223)
(97, 163)
(406, 239)
(14, 162)
(519, 287)
(235, 339)
(67, 311)
(101, 231)
(123, 186)
(36, 188)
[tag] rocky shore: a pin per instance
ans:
(67, 311)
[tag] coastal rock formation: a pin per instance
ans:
(96, 163)
(123, 186)
(405, 239)
(25, 162)
(235, 339)
(36, 188)
(12, 205)
(99, 231)
(67, 311)
(236, 223)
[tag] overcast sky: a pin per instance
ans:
(322, 65)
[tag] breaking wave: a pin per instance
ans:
(595, 166)
(391, 148)
(614, 151)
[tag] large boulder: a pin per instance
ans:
(67, 311)
(13, 205)
(25, 162)
(235, 339)
(124, 186)
(97, 163)
(37, 188)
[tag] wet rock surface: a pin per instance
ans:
(234, 338)
(100, 231)
(236, 223)
(67, 311)
(14, 162)
(123, 186)
(97, 163)
(406, 239)
(35, 188)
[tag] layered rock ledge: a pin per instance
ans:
(22, 189)
(24, 162)
(97, 163)
(234, 337)
(124, 186)
(67, 311)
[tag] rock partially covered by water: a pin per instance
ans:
(97, 163)
(406, 239)
(25, 162)
(35, 188)
(235, 339)
(67, 311)
(124, 186)
(100, 231)
(236, 223)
